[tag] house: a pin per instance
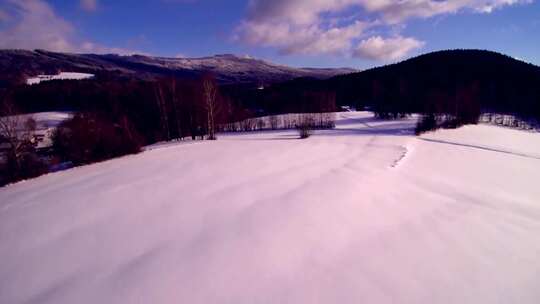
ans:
(41, 136)
(348, 109)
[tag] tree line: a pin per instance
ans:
(449, 88)
(117, 117)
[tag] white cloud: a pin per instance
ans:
(33, 24)
(89, 5)
(299, 39)
(340, 26)
(400, 11)
(389, 49)
(309, 11)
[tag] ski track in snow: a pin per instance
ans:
(268, 218)
(400, 159)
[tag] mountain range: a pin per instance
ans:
(17, 65)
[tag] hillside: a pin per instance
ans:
(16, 65)
(456, 82)
(365, 213)
(435, 81)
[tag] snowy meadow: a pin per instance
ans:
(365, 212)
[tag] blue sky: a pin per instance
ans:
(318, 33)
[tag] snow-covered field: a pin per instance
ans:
(60, 76)
(366, 213)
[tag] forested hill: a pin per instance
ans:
(437, 81)
(459, 84)
(17, 65)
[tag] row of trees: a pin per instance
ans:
(324, 120)
(113, 120)
(510, 120)
(88, 138)
(315, 105)
(118, 117)
(173, 108)
(188, 108)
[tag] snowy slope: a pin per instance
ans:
(60, 76)
(365, 213)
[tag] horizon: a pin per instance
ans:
(358, 34)
(382, 64)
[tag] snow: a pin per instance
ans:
(61, 76)
(366, 213)
(46, 123)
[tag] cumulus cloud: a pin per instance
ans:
(89, 5)
(341, 26)
(389, 49)
(298, 39)
(399, 11)
(33, 24)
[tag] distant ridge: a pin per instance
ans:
(16, 65)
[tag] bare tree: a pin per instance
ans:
(163, 113)
(288, 123)
(17, 138)
(306, 121)
(248, 124)
(211, 106)
(260, 123)
(177, 105)
(274, 122)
